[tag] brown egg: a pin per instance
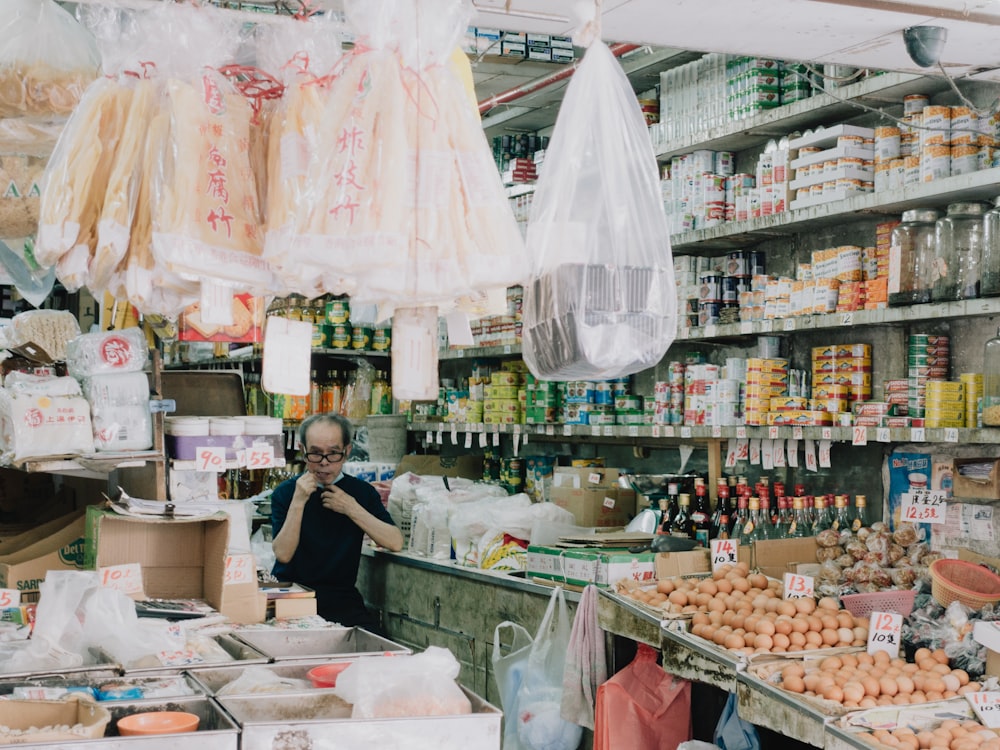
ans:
(815, 623)
(758, 581)
(716, 605)
(951, 683)
(814, 639)
(868, 702)
(665, 586)
(829, 622)
(887, 686)
(829, 603)
(805, 605)
(834, 693)
(812, 681)
(854, 692)
(845, 635)
(783, 625)
(939, 656)
(678, 597)
(741, 584)
(924, 739)
(830, 637)
(962, 675)
(781, 641)
(920, 654)
(763, 641)
(800, 624)
(905, 684)
(766, 627)
(871, 686)
(794, 683)
(831, 663)
(797, 639)
(724, 586)
(734, 641)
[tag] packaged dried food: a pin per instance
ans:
(828, 538)
(905, 535)
(107, 352)
(828, 553)
(50, 329)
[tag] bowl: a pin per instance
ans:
(325, 675)
(157, 722)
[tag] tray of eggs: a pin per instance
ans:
(842, 683)
(681, 597)
(944, 725)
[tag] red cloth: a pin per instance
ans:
(642, 707)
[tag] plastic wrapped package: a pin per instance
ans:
(107, 352)
(602, 301)
(47, 59)
(119, 411)
(43, 417)
(50, 329)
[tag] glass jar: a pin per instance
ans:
(991, 253)
(911, 257)
(991, 382)
(959, 252)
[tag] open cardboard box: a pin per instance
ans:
(180, 559)
(469, 467)
(62, 548)
(986, 489)
(592, 495)
(65, 721)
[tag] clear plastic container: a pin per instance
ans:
(991, 382)
(911, 257)
(959, 252)
(990, 286)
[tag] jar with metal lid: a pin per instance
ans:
(911, 257)
(990, 286)
(959, 252)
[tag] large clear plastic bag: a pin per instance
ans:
(602, 301)
(47, 59)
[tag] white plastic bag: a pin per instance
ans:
(43, 417)
(107, 352)
(508, 672)
(602, 301)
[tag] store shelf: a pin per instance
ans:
(882, 91)
(855, 319)
(473, 352)
(96, 466)
(982, 185)
(646, 433)
(217, 361)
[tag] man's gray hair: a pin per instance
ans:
(346, 428)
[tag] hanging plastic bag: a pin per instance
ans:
(508, 672)
(539, 697)
(642, 707)
(734, 733)
(32, 282)
(602, 301)
(47, 59)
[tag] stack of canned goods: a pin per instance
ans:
(668, 396)
(715, 289)
(927, 360)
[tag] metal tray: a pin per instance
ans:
(324, 720)
(328, 644)
(216, 730)
(241, 652)
(103, 665)
(211, 681)
(96, 680)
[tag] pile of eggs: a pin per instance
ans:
(744, 612)
(865, 680)
(951, 734)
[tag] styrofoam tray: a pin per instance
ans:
(829, 136)
(837, 152)
(865, 175)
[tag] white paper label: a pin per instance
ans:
(468, 439)
(10, 598)
(454, 434)
(126, 578)
(686, 432)
(798, 586)
(884, 631)
(778, 454)
(496, 439)
(609, 502)
(797, 432)
(716, 431)
(482, 439)
(723, 553)
(951, 434)
(259, 457)
(810, 448)
(924, 506)
(986, 704)
(594, 478)
(240, 569)
(917, 435)
(792, 451)
(287, 356)
(755, 452)
(567, 430)
(824, 454)
(210, 459)
(767, 454)
(882, 435)
(859, 435)
(633, 430)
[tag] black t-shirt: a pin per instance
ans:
(329, 550)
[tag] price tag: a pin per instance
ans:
(723, 553)
(766, 326)
(180, 657)
(440, 437)
(210, 459)
(772, 432)
(710, 331)
(496, 439)
(609, 431)
(826, 433)
(482, 439)
(798, 586)
(525, 438)
(685, 432)
(594, 478)
(924, 506)
(429, 437)
(746, 327)
(609, 503)
(240, 569)
(669, 431)
(716, 431)
(468, 439)
(859, 435)
(810, 449)
(789, 324)
(633, 430)
(550, 429)
(260, 457)
(778, 449)
(517, 443)
(10, 598)
(731, 454)
(741, 433)
(882, 434)
(595, 430)
(567, 430)
(797, 432)
(656, 430)
(847, 319)
(917, 435)
(884, 631)
(824, 454)
(126, 578)
(754, 456)
(767, 454)
(506, 349)
(540, 429)
(792, 451)
(986, 704)
(454, 434)
(951, 434)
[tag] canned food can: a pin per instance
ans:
(888, 141)
(361, 338)
(725, 162)
(731, 289)
(964, 159)
(708, 313)
(340, 336)
(913, 103)
(736, 264)
(382, 339)
(935, 162)
(710, 289)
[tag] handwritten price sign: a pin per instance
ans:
(260, 457)
(211, 459)
(986, 704)
(924, 506)
(10, 598)
(240, 569)
(126, 578)
(799, 586)
(884, 632)
(723, 553)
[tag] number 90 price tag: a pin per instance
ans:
(723, 553)
(798, 586)
(884, 632)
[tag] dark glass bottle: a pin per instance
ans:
(701, 514)
(681, 525)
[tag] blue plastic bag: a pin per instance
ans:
(734, 733)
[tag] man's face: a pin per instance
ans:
(325, 438)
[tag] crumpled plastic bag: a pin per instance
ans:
(258, 680)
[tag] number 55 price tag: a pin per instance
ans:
(884, 631)
(723, 553)
(798, 586)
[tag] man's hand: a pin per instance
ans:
(304, 487)
(337, 500)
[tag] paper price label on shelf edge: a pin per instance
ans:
(746, 327)
(633, 430)
(825, 453)
(951, 434)
(685, 432)
(454, 434)
(429, 437)
(882, 435)
(797, 432)
(772, 432)
(716, 431)
(669, 431)
(126, 578)
(986, 704)
(792, 453)
(210, 458)
(240, 569)
(567, 430)
(10, 598)
(496, 439)
(723, 553)
(550, 429)
(884, 632)
(609, 430)
(859, 435)
(924, 506)
(595, 430)
(468, 439)
(797, 586)
(517, 443)
(656, 430)
(741, 433)
(917, 434)
(259, 457)
(826, 433)
(440, 437)
(482, 439)
(788, 324)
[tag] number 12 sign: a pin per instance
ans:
(884, 632)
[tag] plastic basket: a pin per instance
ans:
(893, 600)
(973, 585)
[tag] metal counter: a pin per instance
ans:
(331, 644)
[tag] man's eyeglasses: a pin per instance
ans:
(332, 457)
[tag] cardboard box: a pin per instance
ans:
(581, 567)
(985, 489)
(180, 559)
(775, 557)
(61, 549)
(593, 496)
(53, 721)
(672, 564)
(19, 541)
(469, 467)
(513, 49)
